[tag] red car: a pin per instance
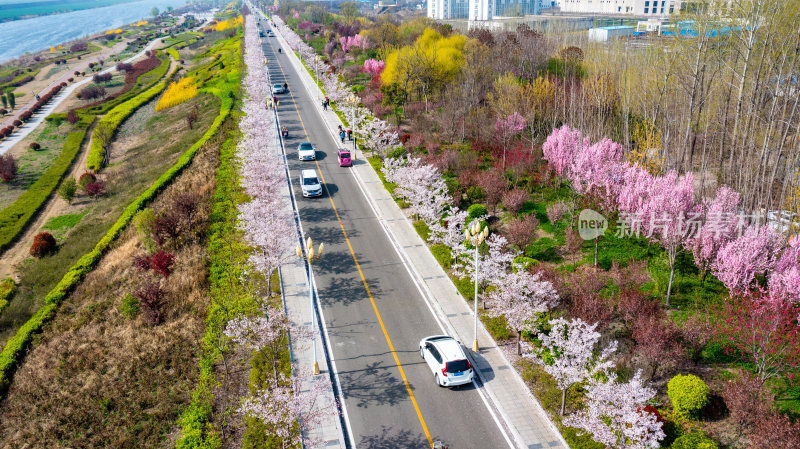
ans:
(344, 157)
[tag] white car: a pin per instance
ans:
(278, 89)
(306, 152)
(446, 359)
(309, 184)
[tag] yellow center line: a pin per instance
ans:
(363, 279)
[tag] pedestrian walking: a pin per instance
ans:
(341, 135)
(350, 135)
(325, 105)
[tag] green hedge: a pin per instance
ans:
(15, 217)
(7, 289)
(145, 81)
(111, 121)
(15, 347)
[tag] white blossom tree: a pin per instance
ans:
(615, 415)
(519, 297)
(292, 409)
(567, 352)
(420, 185)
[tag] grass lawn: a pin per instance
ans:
(131, 172)
(32, 163)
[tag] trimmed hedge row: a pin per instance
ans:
(15, 217)
(7, 289)
(111, 121)
(15, 347)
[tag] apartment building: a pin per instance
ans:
(651, 8)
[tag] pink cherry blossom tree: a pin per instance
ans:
(718, 228)
(666, 215)
(592, 172)
(380, 138)
(560, 148)
(293, 409)
(494, 264)
(784, 281)
(567, 352)
(374, 66)
(754, 253)
(518, 298)
(615, 415)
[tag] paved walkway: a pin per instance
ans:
(37, 118)
(519, 410)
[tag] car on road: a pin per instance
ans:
(343, 156)
(306, 152)
(270, 33)
(278, 89)
(309, 183)
(447, 360)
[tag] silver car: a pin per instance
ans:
(309, 183)
(447, 360)
(278, 89)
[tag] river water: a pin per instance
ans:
(41, 33)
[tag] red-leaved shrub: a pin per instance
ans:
(43, 244)
(151, 298)
(8, 168)
(95, 189)
(34, 146)
(519, 231)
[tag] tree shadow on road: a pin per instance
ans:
(376, 384)
(388, 438)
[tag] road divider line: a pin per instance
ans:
(363, 278)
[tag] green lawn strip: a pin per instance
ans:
(14, 349)
(63, 222)
(7, 289)
(107, 126)
(16, 217)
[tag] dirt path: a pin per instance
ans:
(42, 88)
(55, 207)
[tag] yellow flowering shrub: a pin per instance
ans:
(177, 93)
(230, 23)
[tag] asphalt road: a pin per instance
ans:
(378, 390)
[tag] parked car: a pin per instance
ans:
(343, 156)
(306, 152)
(447, 360)
(278, 89)
(309, 183)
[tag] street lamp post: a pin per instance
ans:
(310, 256)
(353, 101)
(475, 236)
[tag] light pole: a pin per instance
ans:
(353, 101)
(310, 256)
(475, 236)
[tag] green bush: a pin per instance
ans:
(68, 189)
(129, 307)
(688, 393)
(7, 289)
(17, 344)
(442, 254)
(497, 327)
(475, 211)
(475, 194)
(422, 229)
(543, 249)
(107, 126)
(696, 440)
(524, 262)
(15, 217)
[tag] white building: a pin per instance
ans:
(481, 9)
(447, 9)
(652, 8)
